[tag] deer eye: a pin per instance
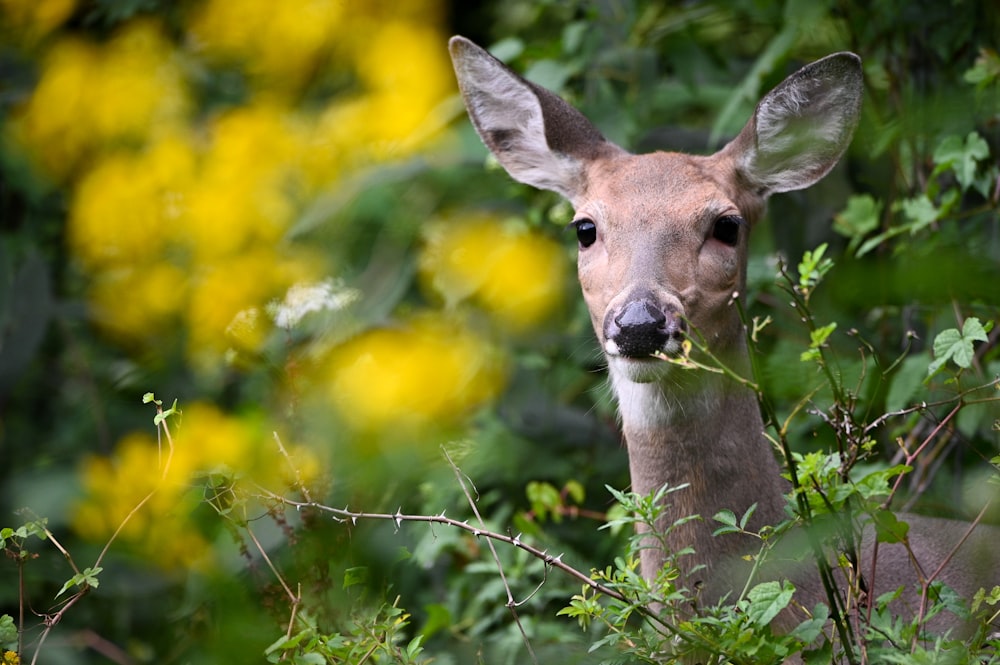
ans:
(586, 232)
(727, 229)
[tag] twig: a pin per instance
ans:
(152, 492)
(346, 515)
(300, 485)
(51, 622)
(511, 603)
(294, 599)
(926, 585)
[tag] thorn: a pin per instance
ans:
(476, 533)
(399, 516)
(354, 520)
(517, 540)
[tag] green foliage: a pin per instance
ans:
(897, 334)
(88, 579)
(375, 638)
(957, 346)
(8, 633)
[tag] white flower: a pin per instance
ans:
(301, 299)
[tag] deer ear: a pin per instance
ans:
(537, 137)
(801, 128)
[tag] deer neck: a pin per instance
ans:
(708, 434)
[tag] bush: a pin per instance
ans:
(277, 215)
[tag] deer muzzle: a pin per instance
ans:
(643, 327)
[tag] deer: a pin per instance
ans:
(663, 253)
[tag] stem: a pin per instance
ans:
(511, 603)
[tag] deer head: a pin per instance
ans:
(662, 236)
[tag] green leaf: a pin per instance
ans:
(921, 212)
(810, 629)
(86, 579)
(962, 157)
(876, 483)
(415, 646)
(985, 70)
(355, 575)
(767, 600)
(438, 618)
(545, 500)
(728, 520)
(813, 267)
(819, 336)
(726, 517)
(888, 528)
(859, 218)
(575, 491)
(957, 346)
(8, 632)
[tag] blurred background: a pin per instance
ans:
(278, 214)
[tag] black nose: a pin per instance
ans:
(641, 328)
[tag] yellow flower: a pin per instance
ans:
(428, 373)
(205, 440)
(115, 488)
(220, 292)
(127, 207)
(280, 43)
(138, 303)
(30, 20)
(89, 96)
(517, 275)
(52, 125)
(403, 76)
(140, 89)
(243, 194)
(10, 658)
(407, 74)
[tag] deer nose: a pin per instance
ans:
(642, 328)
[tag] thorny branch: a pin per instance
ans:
(511, 603)
(347, 515)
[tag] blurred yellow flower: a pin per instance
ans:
(407, 75)
(403, 76)
(206, 441)
(138, 302)
(160, 530)
(90, 96)
(29, 20)
(517, 275)
(126, 208)
(280, 43)
(183, 224)
(429, 373)
(219, 292)
(174, 232)
(244, 192)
